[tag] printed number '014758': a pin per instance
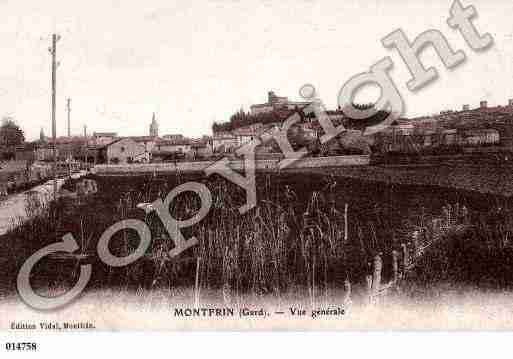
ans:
(21, 346)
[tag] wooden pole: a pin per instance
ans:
(70, 154)
(347, 288)
(368, 280)
(53, 51)
(313, 282)
(68, 108)
(376, 274)
(345, 223)
(395, 265)
(406, 258)
(85, 148)
(196, 284)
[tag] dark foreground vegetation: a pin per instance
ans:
(294, 238)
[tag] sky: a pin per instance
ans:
(195, 62)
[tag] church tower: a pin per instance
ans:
(42, 136)
(154, 127)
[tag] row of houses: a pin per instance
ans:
(229, 141)
(481, 126)
(110, 148)
(444, 138)
(269, 116)
(244, 127)
(469, 127)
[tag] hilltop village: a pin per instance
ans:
(482, 128)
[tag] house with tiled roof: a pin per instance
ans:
(181, 145)
(224, 142)
(481, 126)
(124, 150)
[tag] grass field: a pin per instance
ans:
(293, 242)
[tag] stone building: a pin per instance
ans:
(201, 148)
(103, 138)
(179, 146)
(224, 142)
(275, 102)
(173, 137)
(125, 150)
(149, 142)
(248, 133)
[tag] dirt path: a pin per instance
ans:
(12, 209)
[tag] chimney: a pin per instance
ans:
(510, 102)
(483, 104)
(466, 107)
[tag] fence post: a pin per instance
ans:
(345, 223)
(406, 258)
(196, 284)
(347, 288)
(376, 274)
(368, 279)
(395, 266)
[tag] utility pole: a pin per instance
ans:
(53, 52)
(85, 148)
(68, 108)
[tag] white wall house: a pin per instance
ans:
(178, 146)
(245, 135)
(149, 142)
(103, 138)
(480, 137)
(126, 150)
(224, 141)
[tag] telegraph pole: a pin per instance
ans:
(68, 108)
(70, 154)
(53, 52)
(85, 149)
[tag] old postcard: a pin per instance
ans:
(256, 165)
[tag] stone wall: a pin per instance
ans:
(271, 164)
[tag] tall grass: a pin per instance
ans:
(299, 237)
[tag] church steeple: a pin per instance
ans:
(42, 136)
(154, 127)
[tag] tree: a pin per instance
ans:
(11, 135)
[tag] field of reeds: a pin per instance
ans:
(309, 234)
